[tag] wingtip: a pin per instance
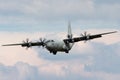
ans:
(4, 44)
(115, 31)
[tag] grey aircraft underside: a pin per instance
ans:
(65, 45)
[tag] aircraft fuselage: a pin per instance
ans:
(55, 46)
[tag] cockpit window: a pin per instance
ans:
(52, 40)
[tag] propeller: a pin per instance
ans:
(43, 41)
(27, 43)
(87, 36)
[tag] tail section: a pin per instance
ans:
(69, 45)
(69, 31)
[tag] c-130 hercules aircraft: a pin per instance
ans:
(65, 45)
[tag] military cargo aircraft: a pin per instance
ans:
(65, 45)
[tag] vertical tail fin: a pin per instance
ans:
(69, 30)
(69, 45)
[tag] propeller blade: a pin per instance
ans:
(26, 48)
(86, 36)
(23, 41)
(27, 40)
(85, 33)
(82, 35)
(42, 41)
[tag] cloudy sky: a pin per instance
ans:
(95, 60)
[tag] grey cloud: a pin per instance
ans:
(103, 60)
(58, 10)
(106, 58)
(107, 1)
(24, 71)
(33, 15)
(20, 71)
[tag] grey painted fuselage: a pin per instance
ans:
(55, 46)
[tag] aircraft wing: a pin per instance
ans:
(25, 44)
(29, 44)
(85, 37)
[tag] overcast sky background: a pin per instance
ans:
(95, 60)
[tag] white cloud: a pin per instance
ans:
(34, 63)
(109, 11)
(25, 71)
(20, 71)
(37, 11)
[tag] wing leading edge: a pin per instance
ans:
(29, 44)
(86, 37)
